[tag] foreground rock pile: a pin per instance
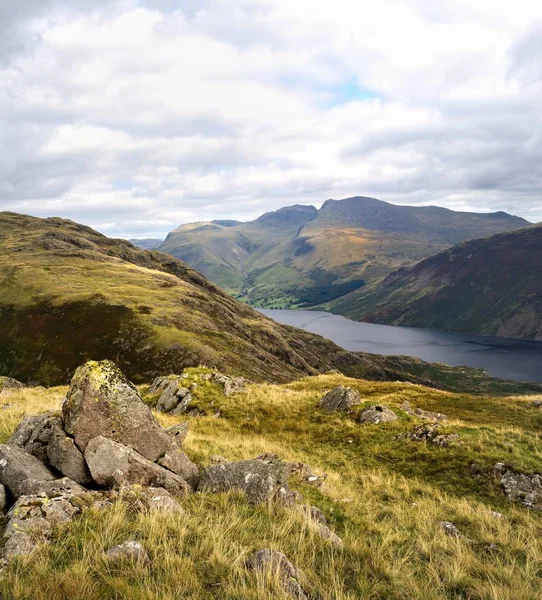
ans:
(107, 442)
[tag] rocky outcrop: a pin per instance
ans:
(426, 415)
(339, 399)
(114, 465)
(271, 562)
(230, 385)
(429, 432)
(374, 415)
(173, 398)
(8, 384)
(102, 402)
(260, 480)
(520, 487)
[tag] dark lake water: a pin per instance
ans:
(500, 357)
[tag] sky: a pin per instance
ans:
(135, 116)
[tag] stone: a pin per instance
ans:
(65, 456)
(521, 487)
(182, 406)
(130, 551)
(376, 414)
(329, 536)
(114, 465)
(3, 498)
(178, 433)
(450, 529)
(177, 461)
(102, 402)
(259, 480)
(230, 385)
(275, 562)
(18, 470)
(339, 399)
(51, 489)
(315, 514)
(535, 404)
(8, 384)
(151, 499)
(25, 429)
(429, 432)
(427, 415)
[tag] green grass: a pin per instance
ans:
(384, 497)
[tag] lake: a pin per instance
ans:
(519, 360)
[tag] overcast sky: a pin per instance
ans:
(137, 116)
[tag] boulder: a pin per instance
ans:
(8, 384)
(114, 465)
(3, 498)
(26, 428)
(178, 433)
(18, 470)
(258, 479)
(429, 432)
(535, 404)
(65, 456)
(273, 562)
(51, 489)
(150, 499)
(339, 399)
(102, 402)
(177, 461)
(376, 414)
(520, 487)
(427, 415)
(130, 551)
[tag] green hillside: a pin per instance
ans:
(490, 286)
(301, 256)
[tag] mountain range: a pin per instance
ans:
(489, 286)
(303, 256)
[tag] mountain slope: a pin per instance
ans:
(146, 243)
(299, 255)
(491, 286)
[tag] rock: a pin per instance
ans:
(329, 536)
(376, 414)
(422, 414)
(3, 498)
(216, 459)
(18, 470)
(173, 395)
(259, 480)
(25, 429)
(51, 489)
(339, 399)
(428, 432)
(130, 551)
(64, 456)
(230, 385)
(102, 402)
(450, 529)
(535, 404)
(113, 465)
(178, 433)
(521, 487)
(177, 461)
(151, 499)
(275, 562)
(8, 384)
(315, 514)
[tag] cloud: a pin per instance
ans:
(134, 116)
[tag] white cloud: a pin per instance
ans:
(136, 116)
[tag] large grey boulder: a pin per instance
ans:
(177, 461)
(102, 402)
(114, 465)
(65, 456)
(274, 562)
(339, 399)
(259, 480)
(376, 414)
(18, 470)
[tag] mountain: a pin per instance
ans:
(69, 294)
(146, 243)
(491, 286)
(301, 256)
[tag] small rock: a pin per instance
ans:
(3, 498)
(521, 487)
(450, 529)
(130, 551)
(329, 536)
(178, 433)
(376, 414)
(177, 461)
(428, 432)
(422, 414)
(535, 404)
(231, 385)
(339, 399)
(495, 514)
(216, 459)
(273, 561)
(8, 384)
(315, 514)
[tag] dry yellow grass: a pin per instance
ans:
(384, 497)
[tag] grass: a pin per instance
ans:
(384, 497)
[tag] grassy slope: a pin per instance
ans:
(384, 497)
(490, 286)
(288, 258)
